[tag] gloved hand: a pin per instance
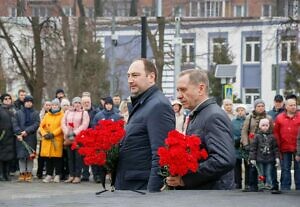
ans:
(71, 135)
(277, 162)
(49, 136)
(253, 162)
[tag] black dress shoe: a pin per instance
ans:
(85, 179)
(275, 191)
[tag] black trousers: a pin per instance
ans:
(53, 163)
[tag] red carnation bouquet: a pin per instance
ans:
(180, 155)
(100, 146)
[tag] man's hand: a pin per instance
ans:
(297, 158)
(175, 181)
(277, 162)
(19, 137)
(23, 133)
(253, 162)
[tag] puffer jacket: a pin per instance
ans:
(286, 131)
(51, 123)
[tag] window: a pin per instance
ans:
(239, 11)
(217, 45)
(213, 8)
(40, 12)
(252, 49)
(287, 47)
(68, 11)
(188, 51)
(147, 11)
(266, 10)
(251, 95)
(89, 12)
(179, 10)
(12, 12)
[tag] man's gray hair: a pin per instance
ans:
(196, 77)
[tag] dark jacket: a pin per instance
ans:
(7, 141)
(213, 126)
(18, 104)
(148, 124)
(237, 124)
(274, 113)
(105, 115)
(264, 148)
(30, 128)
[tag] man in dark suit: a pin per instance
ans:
(208, 121)
(149, 122)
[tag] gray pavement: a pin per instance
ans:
(15, 194)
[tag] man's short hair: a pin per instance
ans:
(21, 91)
(149, 67)
(197, 76)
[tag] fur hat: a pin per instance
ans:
(65, 102)
(4, 95)
(264, 121)
(258, 101)
(59, 91)
(55, 102)
(76, 100)
(108, 100)
(28, 98)
(241, 106)
(176, 102)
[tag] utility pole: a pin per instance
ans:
(114, 42)
(144, 37)
(177, 51)
(158, 8)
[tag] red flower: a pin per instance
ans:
(251, 136)
(180, 154)
(71, 125)
(261, 178)
(98, 145)
(32, 155)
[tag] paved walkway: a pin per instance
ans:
(14, 194)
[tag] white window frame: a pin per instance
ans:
(36, 11)
(188, 44)
(68, 11)
(252, 44)
(242, 10)
(269, 14)
(13, 11)
(289, 42)
(147, 11)
(213, 8)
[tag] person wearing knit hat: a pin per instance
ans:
(177, 108)
(65, 104)
(60, 93)
(5, 95)
(258, 101)
(55, 102)
(28, 98)
(76, 100)
(108, 100)
(264, 153)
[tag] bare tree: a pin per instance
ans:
(2, 79)
(158, 47)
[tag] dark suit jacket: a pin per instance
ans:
(212, 124)
(149, 122)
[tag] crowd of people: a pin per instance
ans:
(259, 141)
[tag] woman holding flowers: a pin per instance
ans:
(209, 122)
(74, 121)
(52, 141)
(25, 124)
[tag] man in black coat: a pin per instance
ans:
(149, 122)
(208, 121)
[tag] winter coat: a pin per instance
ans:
(74, 121)
(237, 125)
(286, 131)
(7, 138)
(31, 129)
(105, 115)
(251, 126)
(150, 120)
(209, 122)
(51, 123)
(264, 148)
(274, 113)
(298, 143)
